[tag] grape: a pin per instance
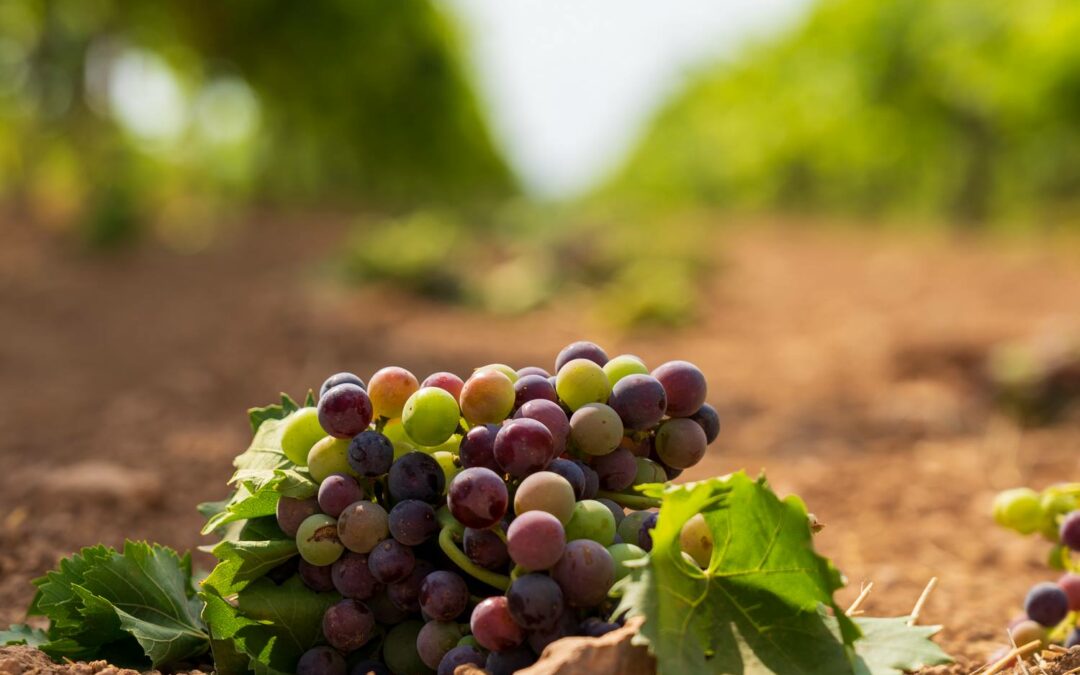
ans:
(639, 447)
(1019, 509)
(585, 573)
(449, 464)
(709, 420)
(696, 539)
(620, 553)
(478, 447)
(493, 627)
(680, 443)
(416, 476)
(1073, 639)
(592, 480)
(348, 625)
(412, 522)
(448, 382)
(535, 540)
(1046, 604)
(487, 397)
(478, 498)
(595, 627)
(580, 382)
(340, 378)
(630, 526)
(369, 668)
(370, 454)
(552, 416)
(523, 446)
(510, 661)
(300, 431)
(317, 540)
(338, 491)
(399, 649)
(405, 594)
(532, 370)
(1070, 583)
(531, 388)
(645, 532)
(535, 601)
(384, 609)
(434, 640)
(648, 471)
(571, 472)
(685, 386)
(443, 595)
(391, 561)
(390, 388)
(291, 512)
(565, 626)
(1027, 631)
(316, 577)
(361, 526)
(352, 578)
(672, 474)
(329, 456)
(545, 491)
(321, 661)
(581, 350)
(1070, 531)
(485, 548)
(591, 520)
(345, 411)
(640, 401)
(459, 656)
(595, 429)
(616, 470)
(616, 511)
(430, 416)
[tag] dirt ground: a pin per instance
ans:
(846, 366)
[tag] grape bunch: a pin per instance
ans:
(1051, 609)
(476, 521)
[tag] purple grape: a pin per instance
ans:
(416, 476)
(1046, 604)
(535, 540)
(1070, 583)
(535, 601)
(443, 595)
(291, 512)
(340, 378)
(448, 382)
(645, 531)
(477, 498)
(592, 480)
(434, 640)
(585, 573)
(581, 350)
(391, 561)
(680, 443)
(352, 578)
(345, 411)
(523, 446)
(709, 420)
(615, 470)
(370, 667)
(321, 661)
(595, 627)
(1074, 638)
(685, 386)
(640, 401)
(572, 473)
(552, 416)
(459, 656)
(412, 522)
(565, 626)
(384, 609)
(478, 448)
(493, 627)
(485, 548)
(1070, 531)
(370, 454)
(509, 661)
(348, 625)
(532, 370)
(338, 491)
(531, 388)
(405, 594)
(316, 577)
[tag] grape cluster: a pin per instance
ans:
(1051, 610)
(477, 521)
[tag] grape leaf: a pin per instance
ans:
(758, 606)
(257, 495)
(274, 411)
(889, 646)
(259, 547)
(21, 634)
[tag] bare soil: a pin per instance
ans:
(849, 367)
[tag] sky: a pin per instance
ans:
(569, 84)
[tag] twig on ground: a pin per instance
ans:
(1015, 653)
(917, 609)
(859, 600)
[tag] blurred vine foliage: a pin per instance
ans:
(963, 111)
(115, 114)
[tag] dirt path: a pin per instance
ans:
(845, 366)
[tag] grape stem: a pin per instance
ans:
(446, 543)
(638, 502)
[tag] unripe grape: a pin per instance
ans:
(487, 397)
(591, 520)
(329, 456)
(362, 525)
(581, 350)
(621, 366)
(300, 432)
(317, 540)
(1027, 631)
(696, 539)
(1018, 509)
(448, 381)
(430, 416)
(596, 429)
(581, 382)
(545, 491)
(389, 389)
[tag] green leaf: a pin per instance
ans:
(21, 634)
(310, 401)
(891, 647)
(758, 606)
(259, 547)
(274, 411)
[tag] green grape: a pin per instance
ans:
(502, 368)
(623, 365)
(448, 462)
(1053, 506)
(648, 471)
(620, 553)
(399, 649)
(1019, 509)
(430, 416)
(469, 641)
(630, 526)
(581, 382)
(329, 455)
(696, 540)
(395, 431)
(591, 520)
(317, 540)
(596, 429)
(546, 491)
(451, 445)
(301, 431)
